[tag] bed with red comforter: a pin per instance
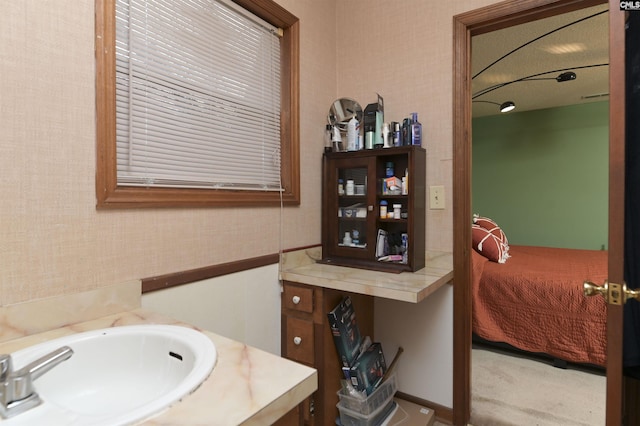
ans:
(534, 302)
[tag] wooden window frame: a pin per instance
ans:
(109, 195)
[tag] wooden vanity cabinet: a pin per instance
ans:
(307, 338)
(352, 194)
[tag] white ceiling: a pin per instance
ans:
(581, 44)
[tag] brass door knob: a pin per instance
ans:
(615, 294)
(591, 289)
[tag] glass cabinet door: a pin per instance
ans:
(353, 208)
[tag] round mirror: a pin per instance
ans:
(342, 110)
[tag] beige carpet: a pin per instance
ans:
(511, 390)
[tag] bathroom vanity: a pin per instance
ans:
(247, 386)
(311, 288)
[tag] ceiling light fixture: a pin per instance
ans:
(566, 76)
(507, 106)
(564, 49)
(504, 107)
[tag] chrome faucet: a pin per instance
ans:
(17, 394)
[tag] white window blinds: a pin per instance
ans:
(197, 96)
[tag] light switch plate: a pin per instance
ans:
(436, 197)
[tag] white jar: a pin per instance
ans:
(350, 188)
(396, 211)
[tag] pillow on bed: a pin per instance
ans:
(488, 245)
(491, 226)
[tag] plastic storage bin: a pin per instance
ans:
(352, 418)
(371, 403)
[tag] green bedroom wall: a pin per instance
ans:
(543, 175)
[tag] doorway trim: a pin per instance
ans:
(501, 15)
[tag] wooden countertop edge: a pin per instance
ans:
(372, 290)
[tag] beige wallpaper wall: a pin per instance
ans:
(52, 239)
(403, 51)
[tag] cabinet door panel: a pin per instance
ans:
(350, 207)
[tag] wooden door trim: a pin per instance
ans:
(490, 18)
(617, 108)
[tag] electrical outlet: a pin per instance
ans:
(436, 197)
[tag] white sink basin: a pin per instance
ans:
(117, 376)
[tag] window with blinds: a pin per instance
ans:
(197, 96)
(197, 103)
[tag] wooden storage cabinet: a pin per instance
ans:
(307, 338)
(358, 213)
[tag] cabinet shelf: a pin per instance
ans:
(393, 220)
(355, 219)
(393, 196)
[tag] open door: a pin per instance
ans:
(615, 291)
(623, 371)
(490, 18)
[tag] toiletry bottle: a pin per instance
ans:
(350, 188)
(405, 182)
(369, 125)
(388, 169)
(397, 208)
(385, 136)
(336, 140)
(352, 136)
(416, 130)
(327, 138)
(340, 187)
(377, 132)
(397, 133)
(347, 239)
(406, 131)
(368, 139)
(405, 248)
(383, 209)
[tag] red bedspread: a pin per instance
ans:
(534, 302)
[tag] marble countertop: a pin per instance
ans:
(302, 267)
(248, 386)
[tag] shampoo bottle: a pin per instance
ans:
(416, 130)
